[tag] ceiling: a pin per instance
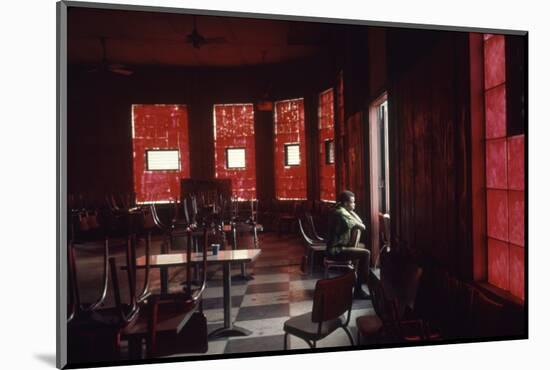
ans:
(152, 38)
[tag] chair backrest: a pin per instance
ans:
(384, 221)
(254, 210)
(355, 237)
(486, 316)
(125, 315)
(305, 237)
(186, 211)
(332, 297)
(309, 218)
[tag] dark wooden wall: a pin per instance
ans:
(429, 131)
(99, 117)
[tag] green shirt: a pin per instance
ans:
(340, 230)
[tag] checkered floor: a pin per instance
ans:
(278, 291)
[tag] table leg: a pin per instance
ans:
(228, 330)
(163, 273)
(244, 275)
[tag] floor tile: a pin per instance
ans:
(300, 295)
(259, 299)
(268, 288)
(271, 270)
(270, 278)
(236, 290)
(264, 327)
(299, 308)
(216, 315)
(217, 302)
(302, 284)
(263, 312)
(262, 344)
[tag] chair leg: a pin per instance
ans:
(314, 344)
(311, 254)
(346, 329)
(286, 342)
(358, 337)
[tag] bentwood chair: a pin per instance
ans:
(94, 331)
(332, 298)
(311, 246)
(335, 263)
(170, 323)
(388, 323)
(374, 326)
(313, 229)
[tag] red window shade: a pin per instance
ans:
(234, 128)
(326, 133)
(341, 131)
(159, 127)
(504, 177)
(290, 181)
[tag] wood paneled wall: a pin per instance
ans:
(429, 134)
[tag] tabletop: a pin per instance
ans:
(178, 259)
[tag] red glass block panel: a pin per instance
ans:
(495, 65)
(496, 168)
(517, 271)
(497, 214)
(499, 262)
(327, 174)
(159, 126)
(487, 36)
(234, 128)
(516, 221)
(290, 181)
(516, 162)
(495, 112)
(341, 131)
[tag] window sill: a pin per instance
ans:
(502, 295)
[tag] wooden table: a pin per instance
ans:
(225, 258)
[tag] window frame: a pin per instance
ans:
(227, 158)
(286, 146)
(162, 150)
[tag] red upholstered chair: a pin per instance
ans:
(331, 300)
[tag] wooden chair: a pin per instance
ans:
(487, 316)
(370, 326)
(170, 323)
(311, 246)
(313, 229)
(385, 324)
(94, 332)
(100, 237)
(335, 263)
(287, 220)
(332, 299)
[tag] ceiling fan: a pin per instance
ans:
(198, 40)
(105, 66)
